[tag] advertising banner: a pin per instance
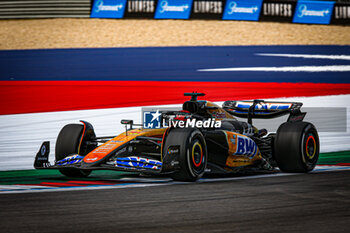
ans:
(278, 10)
(140, 9)
(315, 12)
(242, 10)
(341, 13)
(207, 9)
(173, 9)
(108, 9)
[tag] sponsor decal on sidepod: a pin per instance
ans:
(246, 146)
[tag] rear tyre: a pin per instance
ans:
(297, 147)
(67, 143)
(192, 155)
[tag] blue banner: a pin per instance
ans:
(108, 9)
(173, 9)
(313, 12)
(242, 10)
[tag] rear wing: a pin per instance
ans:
(265, 110)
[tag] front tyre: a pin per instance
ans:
(297, 147)
(192, 155)
(67, 143)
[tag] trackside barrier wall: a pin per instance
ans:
(301, 11)
(293, 11)
(16, 9)
(341, 13)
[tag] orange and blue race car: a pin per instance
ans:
(184, 144)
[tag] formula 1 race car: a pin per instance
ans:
(201, 138)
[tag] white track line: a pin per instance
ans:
(24, 187)
(310, 56)
(335, 68)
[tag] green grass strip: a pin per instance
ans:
(332, 158)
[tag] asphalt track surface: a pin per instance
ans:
(316, 202)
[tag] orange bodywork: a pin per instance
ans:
(102, 151)
(238, 154)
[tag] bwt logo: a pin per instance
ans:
(151, 120)
(138, 162)
(101, 7)
(164, 5)
(303, 11)
(246, 146)
(247, 10)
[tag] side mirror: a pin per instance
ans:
(127, 122)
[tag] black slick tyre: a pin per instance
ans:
(67, 143)
(296, 147)
(192, 155)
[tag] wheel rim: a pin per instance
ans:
(197, 154)
(310, 147)
(310, 150)
(197, 157)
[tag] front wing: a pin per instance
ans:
(130, 163)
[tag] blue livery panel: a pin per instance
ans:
(136, 163)
(70, 160)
